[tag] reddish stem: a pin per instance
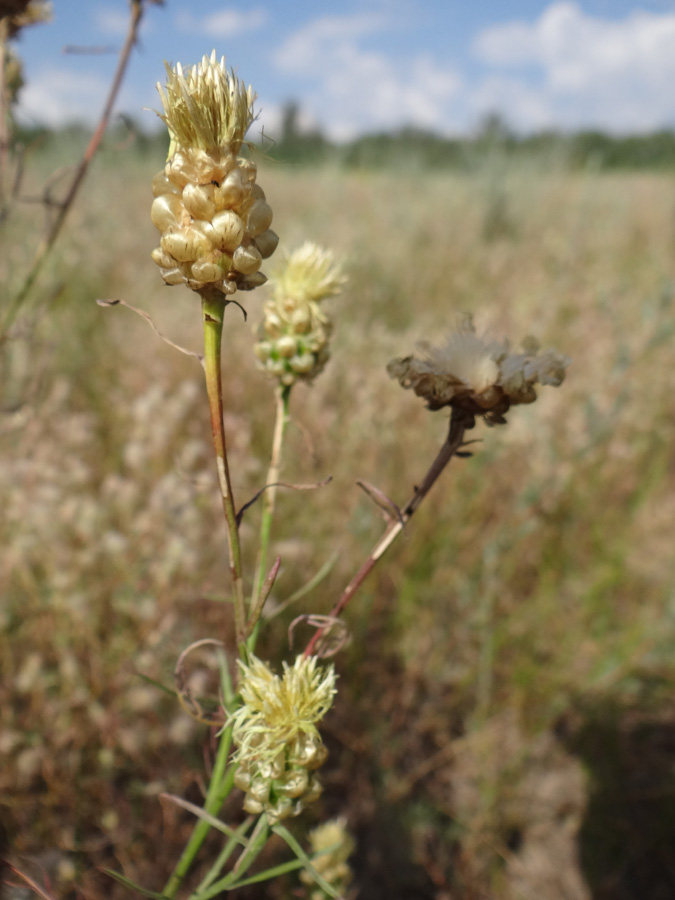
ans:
(458, 425)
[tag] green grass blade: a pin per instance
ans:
(206, 817)
(285, 835)
(268, 874)
(127, 882)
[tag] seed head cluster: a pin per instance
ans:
(295, 332)
(335, 845)
(279, 745)
(213, 216)
(478, 376)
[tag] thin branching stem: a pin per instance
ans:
(256, 844)
(453, 442)
(50, 238)
(282, 397)
(220, 785)
(213, 311)
(5, 113)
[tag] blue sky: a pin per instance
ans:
(358, 66)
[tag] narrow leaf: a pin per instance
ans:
(285, 835)
(380, 499)
(284, 484)
(268, 874)
(127, 882)
(108, 303)
(157, 684)
(206, 817)
(306, 588)
(267, 586)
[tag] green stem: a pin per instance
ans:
(222, 858)
(282, 395)
(219, 787)
(256, 843)
(213, 309)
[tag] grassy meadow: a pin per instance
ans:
(504, 726)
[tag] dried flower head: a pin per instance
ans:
(276, 735)
(15, 15)
(335, 845)
(478, 376)
(20, 14)
(295, 331)
(213, 216)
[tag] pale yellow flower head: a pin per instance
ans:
(334, 844)
(277, 709)
(212, 214)
(275, 730)
(479, 376)
(295, 331)
(309, 274)
(206, 106)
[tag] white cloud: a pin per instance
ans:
(224, 23)
(308, 46)
(112, 22)
(351, 89)
(55, 96)
(614, 74)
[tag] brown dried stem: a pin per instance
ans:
(50, 238)
(459, 423)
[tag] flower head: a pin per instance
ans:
(205, 106)
(334, 845)
(295, 332)
(276, 734)
(479, 376)
(213, 217)
(310, 274)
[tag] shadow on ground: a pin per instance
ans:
(627, 838)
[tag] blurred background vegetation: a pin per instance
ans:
(428, 150)
(505, 725)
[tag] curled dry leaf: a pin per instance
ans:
(187, 700)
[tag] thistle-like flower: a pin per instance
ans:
(213, 217)
(275, 731)
(335, 845)
(295, 331)
(480, 377)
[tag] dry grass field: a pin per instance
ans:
(505, 725)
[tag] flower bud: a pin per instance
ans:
(185, 245)
(259, 218)
(229, 230)
(246, 259)
(267, 243)
(198, 200)
(166, 210)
